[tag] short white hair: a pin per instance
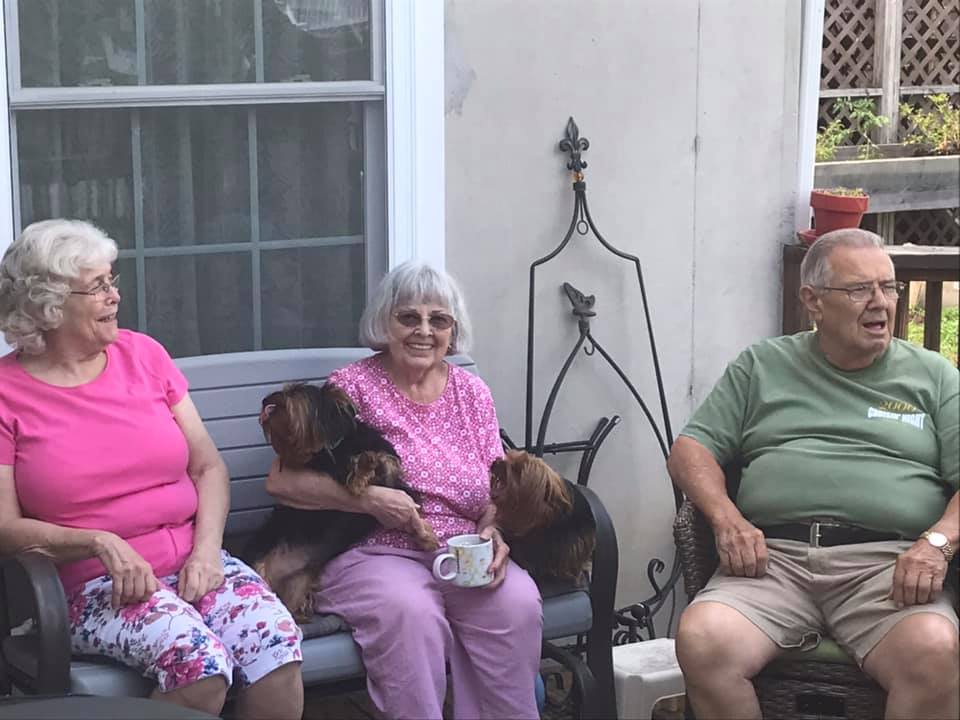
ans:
(815, 269)
(35, 274)
(414, 283)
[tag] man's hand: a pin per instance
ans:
(132, 576)
(741, 547)
(201, 573)
(918, 575)
(392, 508)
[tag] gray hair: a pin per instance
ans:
(815, 269)
(34, 275)
(414, 283)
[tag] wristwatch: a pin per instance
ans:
(940, 542)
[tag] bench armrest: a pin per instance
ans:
(603, 590)
(31, 589)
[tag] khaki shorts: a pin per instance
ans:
(840, 591)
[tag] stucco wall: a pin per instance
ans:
(691, 111)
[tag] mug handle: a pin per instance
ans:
(438, 561)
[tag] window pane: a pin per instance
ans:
(310, 162)
(67, 43)
(200, 41)
(126, 268)
(312, 297)
(316, 40)
(77, 163)
(200, 304)
(196, 176)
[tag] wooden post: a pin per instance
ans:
(889, 25)
(932, 311)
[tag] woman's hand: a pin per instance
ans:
(501, 551)
(392, 508)
(201, 573)
(132, 576)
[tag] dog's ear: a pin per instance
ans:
(337, 414)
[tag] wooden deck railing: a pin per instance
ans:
(913, 263)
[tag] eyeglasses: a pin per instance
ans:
(862, 293)
(103, 287)
(412, 319)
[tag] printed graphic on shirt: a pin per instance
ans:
(898, 410)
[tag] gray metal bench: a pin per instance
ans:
(227, 390)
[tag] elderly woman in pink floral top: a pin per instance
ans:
(442, 422)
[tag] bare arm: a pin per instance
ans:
(920, 571)
(133, 578)
(740, 545)
(310, 490)
(20, 534)
(203, 570)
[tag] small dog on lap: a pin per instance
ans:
(547, 524)
(317, 428)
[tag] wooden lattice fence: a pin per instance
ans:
(893, 51)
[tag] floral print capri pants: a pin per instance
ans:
(241, 627)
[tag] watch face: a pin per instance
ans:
(937, 539)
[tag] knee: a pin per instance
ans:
(699, 639)
(207, 695)
(932, 652)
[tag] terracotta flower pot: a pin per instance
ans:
(832, 212)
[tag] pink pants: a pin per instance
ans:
(409, 626)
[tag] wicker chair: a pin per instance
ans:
(822, 683)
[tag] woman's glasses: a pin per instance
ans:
(102, 288)
(412, 319)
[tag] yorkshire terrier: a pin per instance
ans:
(317, 428)
(545, 521)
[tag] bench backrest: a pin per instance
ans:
(227, 390)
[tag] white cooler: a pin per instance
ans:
(643, 673)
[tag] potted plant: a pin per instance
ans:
(837, 208)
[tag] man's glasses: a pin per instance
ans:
(412, 319)
(863, 293)
(102, 288)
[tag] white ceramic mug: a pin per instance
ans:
(468, 558)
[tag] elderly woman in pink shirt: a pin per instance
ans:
(106, 468)
(442, 422)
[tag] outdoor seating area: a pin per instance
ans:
(742, 424)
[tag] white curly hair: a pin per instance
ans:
(415, 282)
(35, 274)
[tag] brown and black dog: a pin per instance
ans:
(317, 428)
(547, 524)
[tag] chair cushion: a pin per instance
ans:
(826, 651)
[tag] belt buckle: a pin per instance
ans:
(815, 534)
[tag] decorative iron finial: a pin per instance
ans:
(574, 144)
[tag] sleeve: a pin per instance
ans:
(488, 427)
(947, 422)
(718, 423)
(158, 362)
(8, 446)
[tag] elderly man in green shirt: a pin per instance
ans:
(847, 513)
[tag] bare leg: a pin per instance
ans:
(277, 695)
(206, 695)
(719, 652)
(917, 664)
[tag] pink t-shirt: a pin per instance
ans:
(106, 455)
(446, 446)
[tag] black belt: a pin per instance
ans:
(826, 534)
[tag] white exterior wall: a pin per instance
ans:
(691, 110)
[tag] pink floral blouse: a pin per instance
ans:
(446, 447)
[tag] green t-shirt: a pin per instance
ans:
(878, 447)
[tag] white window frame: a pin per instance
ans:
(414, 134)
